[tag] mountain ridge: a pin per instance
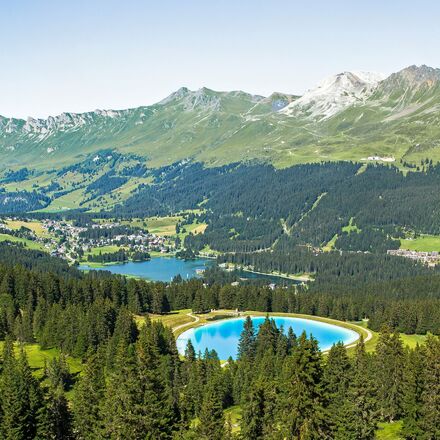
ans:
(349, 116)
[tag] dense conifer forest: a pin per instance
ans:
(134, 384)
(250, 207)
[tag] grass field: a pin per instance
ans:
(385, 431)
(389, 431)
(331, 244)
(348, 228)
(28, 243)
(194, 228)
(412, 340)
(68, 201)
(424, 243)
(35, 226)
(164, 226)
(172, 320)
(103, 250)
(351, 227)
(234, 415)
(408, 340)
(37, 358)
(96, 251)
(208, 251)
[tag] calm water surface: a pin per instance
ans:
(223, 336)
(158, 268)
(166, 268)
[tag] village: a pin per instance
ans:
(65, 240)
(75, 241)
(429, 258)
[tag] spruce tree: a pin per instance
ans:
(246, 345)
(359, 412)
(125, 333)
(301, 407)
(55, 420)
(412, 397)
(336, 381)
(212, 420)
(429, 421)
(253, 414)
(389, 374)
(267, 337)
(88, 398)
(190, 353)
(122, 406)
(20, 396)
(156, 394)
(193, 388)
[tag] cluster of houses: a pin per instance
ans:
(429, 258)
(65, 240)
(141, 241)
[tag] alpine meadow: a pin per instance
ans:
(247, 264)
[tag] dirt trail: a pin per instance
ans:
(196, 319)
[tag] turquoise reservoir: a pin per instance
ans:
(223, 336)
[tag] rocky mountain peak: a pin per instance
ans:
(334, 94)
(413, 77)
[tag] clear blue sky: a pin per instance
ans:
(75, 55)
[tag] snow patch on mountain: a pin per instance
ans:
(334, 94)
(43, 128)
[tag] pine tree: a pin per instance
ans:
(252, 422)
(88, 397)
(55, 420)
(58, 374)
(39, 317)
(246, 345)
(160, 302)
(336, 382)
(413, 386)
(389, 374)
(212, 420)
(359, 413)
(20, 396)
(123, 403)
(267, 338)
(190, 353)
(429, 421)
(157, 395)
(193, 389)
(301, 410)
(125, 333)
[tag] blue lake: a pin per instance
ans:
(158, 268)
(223, 336)
(166, 268)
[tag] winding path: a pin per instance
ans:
(196, 319)
(369, 336)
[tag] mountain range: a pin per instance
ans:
(349, 116)
(98, 159)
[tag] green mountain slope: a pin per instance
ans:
(398, 117)
(350, 116)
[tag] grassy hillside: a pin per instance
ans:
(399, 121)
(423, 243)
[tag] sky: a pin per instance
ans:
(76, 56)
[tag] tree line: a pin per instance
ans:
(136, 386)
